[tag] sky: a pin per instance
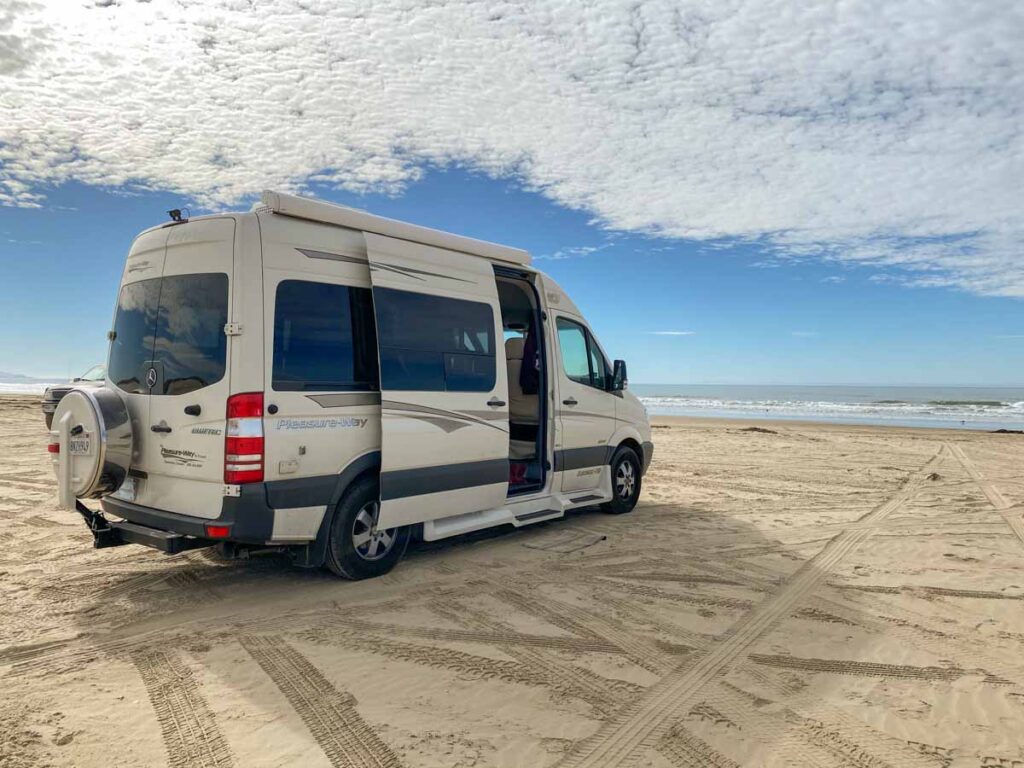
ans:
(733, 192)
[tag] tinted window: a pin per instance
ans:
(324, 338)
(175, 325)
(430, 343)
(134, 326)
(598, 365)
(190, 340)
(582, 359)
(572, 340)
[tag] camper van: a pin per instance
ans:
(316, 379)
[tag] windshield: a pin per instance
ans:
(96, 373)
(174, 325)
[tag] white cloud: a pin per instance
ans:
(877, 133)
(672, 333)
(571, 253)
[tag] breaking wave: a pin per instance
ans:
(953, 413)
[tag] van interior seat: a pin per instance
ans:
(522, 408)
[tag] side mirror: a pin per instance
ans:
(620, 380)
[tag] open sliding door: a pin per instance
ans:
(444, 388)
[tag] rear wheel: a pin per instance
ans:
(625, 482)
(356, 547)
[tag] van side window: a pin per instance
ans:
(434, 344)
(324, 338)
(572, 340)
(582, 359)
(598, 365)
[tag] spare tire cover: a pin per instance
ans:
(99, 446)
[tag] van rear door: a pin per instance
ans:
(131, 346)
(444, 397)
(181, 446)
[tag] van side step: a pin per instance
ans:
(165, 541)
(530, 517)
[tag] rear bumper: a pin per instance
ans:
(167, 542)
(247, 517)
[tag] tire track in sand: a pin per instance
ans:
(848, 740)
(329, 714)
(1000, 502)
(872, 669)
(578, 645)
(645, 722)
(685, 750)
(604, 695)
(191, 735)
(583, 623)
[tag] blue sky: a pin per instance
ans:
(745, 321)
(814, 192)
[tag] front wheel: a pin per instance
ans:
(356, 547)
(625, 482)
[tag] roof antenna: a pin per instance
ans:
(176, 217)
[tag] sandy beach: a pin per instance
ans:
(785, 594)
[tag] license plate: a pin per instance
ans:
(79, 446)
(127, 490)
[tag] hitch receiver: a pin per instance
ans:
(103, 535)
(107, 534)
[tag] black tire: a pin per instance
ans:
(354, 550)
(625, 465)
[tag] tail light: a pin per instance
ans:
(243, 443)
(217, 531)
(53, 447)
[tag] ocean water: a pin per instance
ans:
(24, 386)
(949, 407)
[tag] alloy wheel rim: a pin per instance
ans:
(369, 542)
(625, 479)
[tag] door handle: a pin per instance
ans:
(193, 410)
(570, 401)
(495, 402)
(160, 428)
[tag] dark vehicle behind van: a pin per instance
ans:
(92, 378)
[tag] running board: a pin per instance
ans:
(467, 523)
(536, 517)
(477, 521)
(592, 498)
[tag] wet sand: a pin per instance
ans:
(806, 595)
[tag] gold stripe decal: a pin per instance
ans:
(346, 399)
(410, 408)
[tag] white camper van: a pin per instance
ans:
(312, 377)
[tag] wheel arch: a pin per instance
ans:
(314, 554)
(362, 466)
(629, 436)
